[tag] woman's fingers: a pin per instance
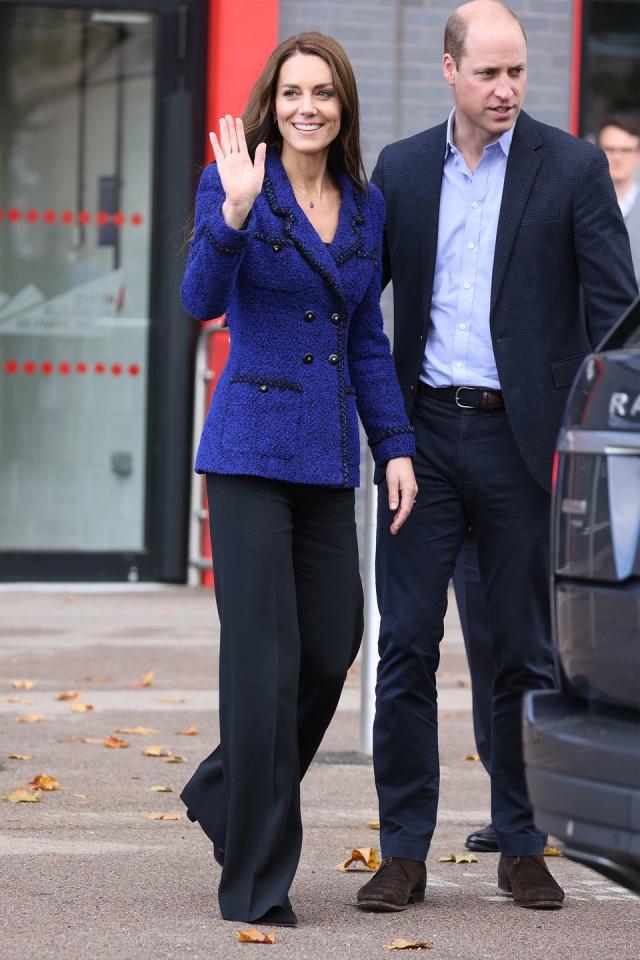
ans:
(240, 137)
(217, 151)
(233, 136)
(225, 142)
(402, 488)
(258, 160)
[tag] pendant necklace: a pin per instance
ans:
(312, 203)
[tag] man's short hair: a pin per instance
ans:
(455, 32)
(623, 122)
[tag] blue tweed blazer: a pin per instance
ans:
(308, 350)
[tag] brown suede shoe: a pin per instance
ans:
(396, 884)
(528, 881)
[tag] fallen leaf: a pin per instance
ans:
(174, 759)
(99, 740)
(254, 936)
(463, 682)
(146, 681)
(19, 700)
(552, 852)
(19, 756)
(80, 796)
(409, 945)
(141, 731)
(159, 815)
(81, 707)
(115, 743)
(68, 695)
(374, 824)
(471, 756)
(22, 684)
(366, 855)
(156, 751)
(96, 679)
(160, 788)
(458, 858)
(23, 796)
(30, 718)
(191, 731)
(44, 782)
(171, 700)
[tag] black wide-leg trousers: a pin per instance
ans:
(289, 596)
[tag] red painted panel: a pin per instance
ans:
(576, 68)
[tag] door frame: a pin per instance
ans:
(178, 138)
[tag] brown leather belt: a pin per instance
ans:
(468, 398)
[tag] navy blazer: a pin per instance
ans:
(560, 229)
(307, 342)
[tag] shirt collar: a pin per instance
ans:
(627, 201)
(504, 140)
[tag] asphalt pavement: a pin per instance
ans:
(87, 874)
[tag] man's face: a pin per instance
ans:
(490, 83)
(623, 153)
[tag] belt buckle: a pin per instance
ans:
(464, 406)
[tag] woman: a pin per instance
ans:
(287, 242)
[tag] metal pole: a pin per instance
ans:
(371, 618)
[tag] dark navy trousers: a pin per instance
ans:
(470, 475)
(474, 620)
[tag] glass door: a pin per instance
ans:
(82, 99)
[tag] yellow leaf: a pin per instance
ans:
(159, 815)
(96, 679)
(115, 743)
(19, 756)
(44, 782)
(30, 718)
(81, 707)
(374, 824)
(156, 751)
(191, 731)
(142, 731)
(365, 855)
(172, 700)
(458, 858)
(409, 945)
(160, 788)
(174, 759)
(254, 936)
(552, 852)
(471, 756)
(22, 684)
(68, 695)
(23, 796)
(146, 681)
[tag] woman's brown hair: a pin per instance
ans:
(259, 123)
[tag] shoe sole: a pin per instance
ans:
(535, 904)
(483, 848)
(383, 906)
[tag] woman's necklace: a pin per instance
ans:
(304, 193)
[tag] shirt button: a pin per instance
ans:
(463, 326)
(458, 365)
(333, 358)
(335, 318)
(470, 245)
(263, 387)
(308, 358)
(276, 247)
(466, 285)
(475, 205)
(309, 316)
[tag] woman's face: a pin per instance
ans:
(307, 107)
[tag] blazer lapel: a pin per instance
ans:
(298, 229)
(525, 157)
(425, 184)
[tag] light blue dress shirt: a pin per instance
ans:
(459, 350)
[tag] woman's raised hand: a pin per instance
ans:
(240, 176)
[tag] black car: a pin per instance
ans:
(582, 741)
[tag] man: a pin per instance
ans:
(493, 223)
(619, 137)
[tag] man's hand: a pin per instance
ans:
(403, 489)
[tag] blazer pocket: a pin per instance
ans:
(563, 372)
(262, 416)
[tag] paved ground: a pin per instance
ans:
(85, 873)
